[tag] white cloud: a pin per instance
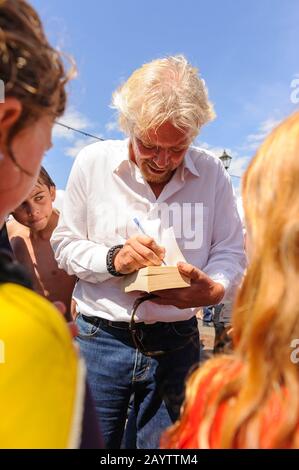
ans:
(111, 126)
(217, 151)
(78, 145)
(238, 163)
(253, 141)
(72, 118)
(79, 121)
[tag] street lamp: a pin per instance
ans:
(226, 160)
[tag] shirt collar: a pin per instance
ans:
(122, 156)
(188, 164)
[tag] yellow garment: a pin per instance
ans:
(41, 376)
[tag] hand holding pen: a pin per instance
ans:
(138, 252)
(138, 224)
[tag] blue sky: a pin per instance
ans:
(247, 52)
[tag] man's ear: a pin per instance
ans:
(53, 193)
(10, 112)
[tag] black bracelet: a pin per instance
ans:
(110, 260)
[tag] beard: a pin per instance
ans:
(153, 176)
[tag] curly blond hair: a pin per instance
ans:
(167, 89)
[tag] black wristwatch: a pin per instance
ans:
(112, 252)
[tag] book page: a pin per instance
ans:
(173, 253)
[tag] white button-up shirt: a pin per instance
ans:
(106, 191)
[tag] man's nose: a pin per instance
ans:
(161, 158)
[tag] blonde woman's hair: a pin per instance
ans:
(266, 313)
(168, 89)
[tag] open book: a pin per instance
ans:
(154, 278)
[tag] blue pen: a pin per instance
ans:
(136, 221)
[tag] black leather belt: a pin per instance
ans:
(123, 325)
(102, 321)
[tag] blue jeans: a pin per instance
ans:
(116, 370)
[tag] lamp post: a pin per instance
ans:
(226, 159)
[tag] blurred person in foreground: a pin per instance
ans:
(43, 397)
(250, 399)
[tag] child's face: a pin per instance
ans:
(36, 210)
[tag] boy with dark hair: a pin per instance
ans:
(29, 234)
(45, 178)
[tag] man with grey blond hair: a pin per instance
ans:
(159, 178)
